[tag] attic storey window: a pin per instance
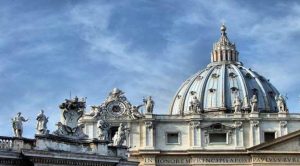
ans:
(173, 138)
(269, 136)
(217, 138)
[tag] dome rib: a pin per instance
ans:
(187, 82)
(256, 77)
(203, 88)
(223, 88)
(243, 83)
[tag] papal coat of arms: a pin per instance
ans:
(72, 110)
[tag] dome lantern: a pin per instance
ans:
(224, 50)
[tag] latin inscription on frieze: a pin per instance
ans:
(221, 160)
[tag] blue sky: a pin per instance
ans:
(144, 47)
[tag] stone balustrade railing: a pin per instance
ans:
(15, 144)
(6, 142)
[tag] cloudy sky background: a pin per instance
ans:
(144, 47)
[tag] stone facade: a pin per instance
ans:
(68, 145)
(225, 114)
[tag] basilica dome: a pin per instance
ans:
(225, 80)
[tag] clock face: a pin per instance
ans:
(116, 108)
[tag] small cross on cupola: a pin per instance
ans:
(224, 50)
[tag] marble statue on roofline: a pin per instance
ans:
(281, 105)
(41, 126)
(237, 104)
(17, 124)
(195, 105)
(254, 101)
(149, 104)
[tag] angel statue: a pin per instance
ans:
(17, 123)
(41, 126)
(134, 112)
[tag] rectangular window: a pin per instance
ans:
(217, 138)
(172, 138)
(269, 136)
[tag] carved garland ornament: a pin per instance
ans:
(283, 124)
(195, 124)
(254, 123)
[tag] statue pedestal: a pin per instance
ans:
(148, 116)
(254, 115)
(237, 115)
(53, 142)
(118, 151)
(18, 144)
(21, 143)
(196, 116)
(282, 114)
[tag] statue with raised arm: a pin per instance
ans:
(103, 127)
(149, 104)
(237, 104)
(254, 101)
(281, 106)
(41, 126)
(17, 123)
(120, 135)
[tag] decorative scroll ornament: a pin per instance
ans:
(72, 110)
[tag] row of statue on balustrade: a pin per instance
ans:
(41, 128)
(195, 104)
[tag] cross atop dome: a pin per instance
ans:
(224, 50)
(223, 30)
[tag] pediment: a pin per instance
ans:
(289, 142)
(218, 127)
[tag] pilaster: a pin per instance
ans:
(195, 135)
(254, 132)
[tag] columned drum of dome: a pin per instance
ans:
(222, 82)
